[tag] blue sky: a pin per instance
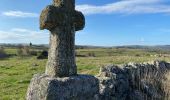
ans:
(108, 22)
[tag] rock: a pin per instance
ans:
(3, 55)
(136, 95)
(43, 55)
(133, 81)
(81, 87)
(34, 65)
(114, 84)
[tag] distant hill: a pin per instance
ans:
(90, 47)
(156, 47)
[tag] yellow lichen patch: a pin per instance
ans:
(57, 2)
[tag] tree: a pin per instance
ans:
(30, 44)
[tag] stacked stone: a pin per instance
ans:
(146, 81)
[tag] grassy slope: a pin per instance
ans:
(15, 72)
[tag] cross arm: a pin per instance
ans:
(51, 17)
(79, 20)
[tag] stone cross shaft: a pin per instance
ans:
(62, 20)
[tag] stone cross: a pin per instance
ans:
(62, 20)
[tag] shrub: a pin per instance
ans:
(110, 53)
(33, 53)
(91, 54)
(26, 51)
(137, 55)
(2, 50)
(43, 55)
(19, 51)
(2, 53)
(23, 51)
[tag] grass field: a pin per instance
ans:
(16, 72)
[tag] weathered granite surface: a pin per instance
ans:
(62, 20)
(146, 81)
(81, 87)
(114, 84)
(52, 17)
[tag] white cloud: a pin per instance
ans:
(127, 7)
(23, 35)
(122, 6)
(19, 14)
(20, 30)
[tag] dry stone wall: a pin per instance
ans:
(147, 81)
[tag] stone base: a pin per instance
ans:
(81, 87)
